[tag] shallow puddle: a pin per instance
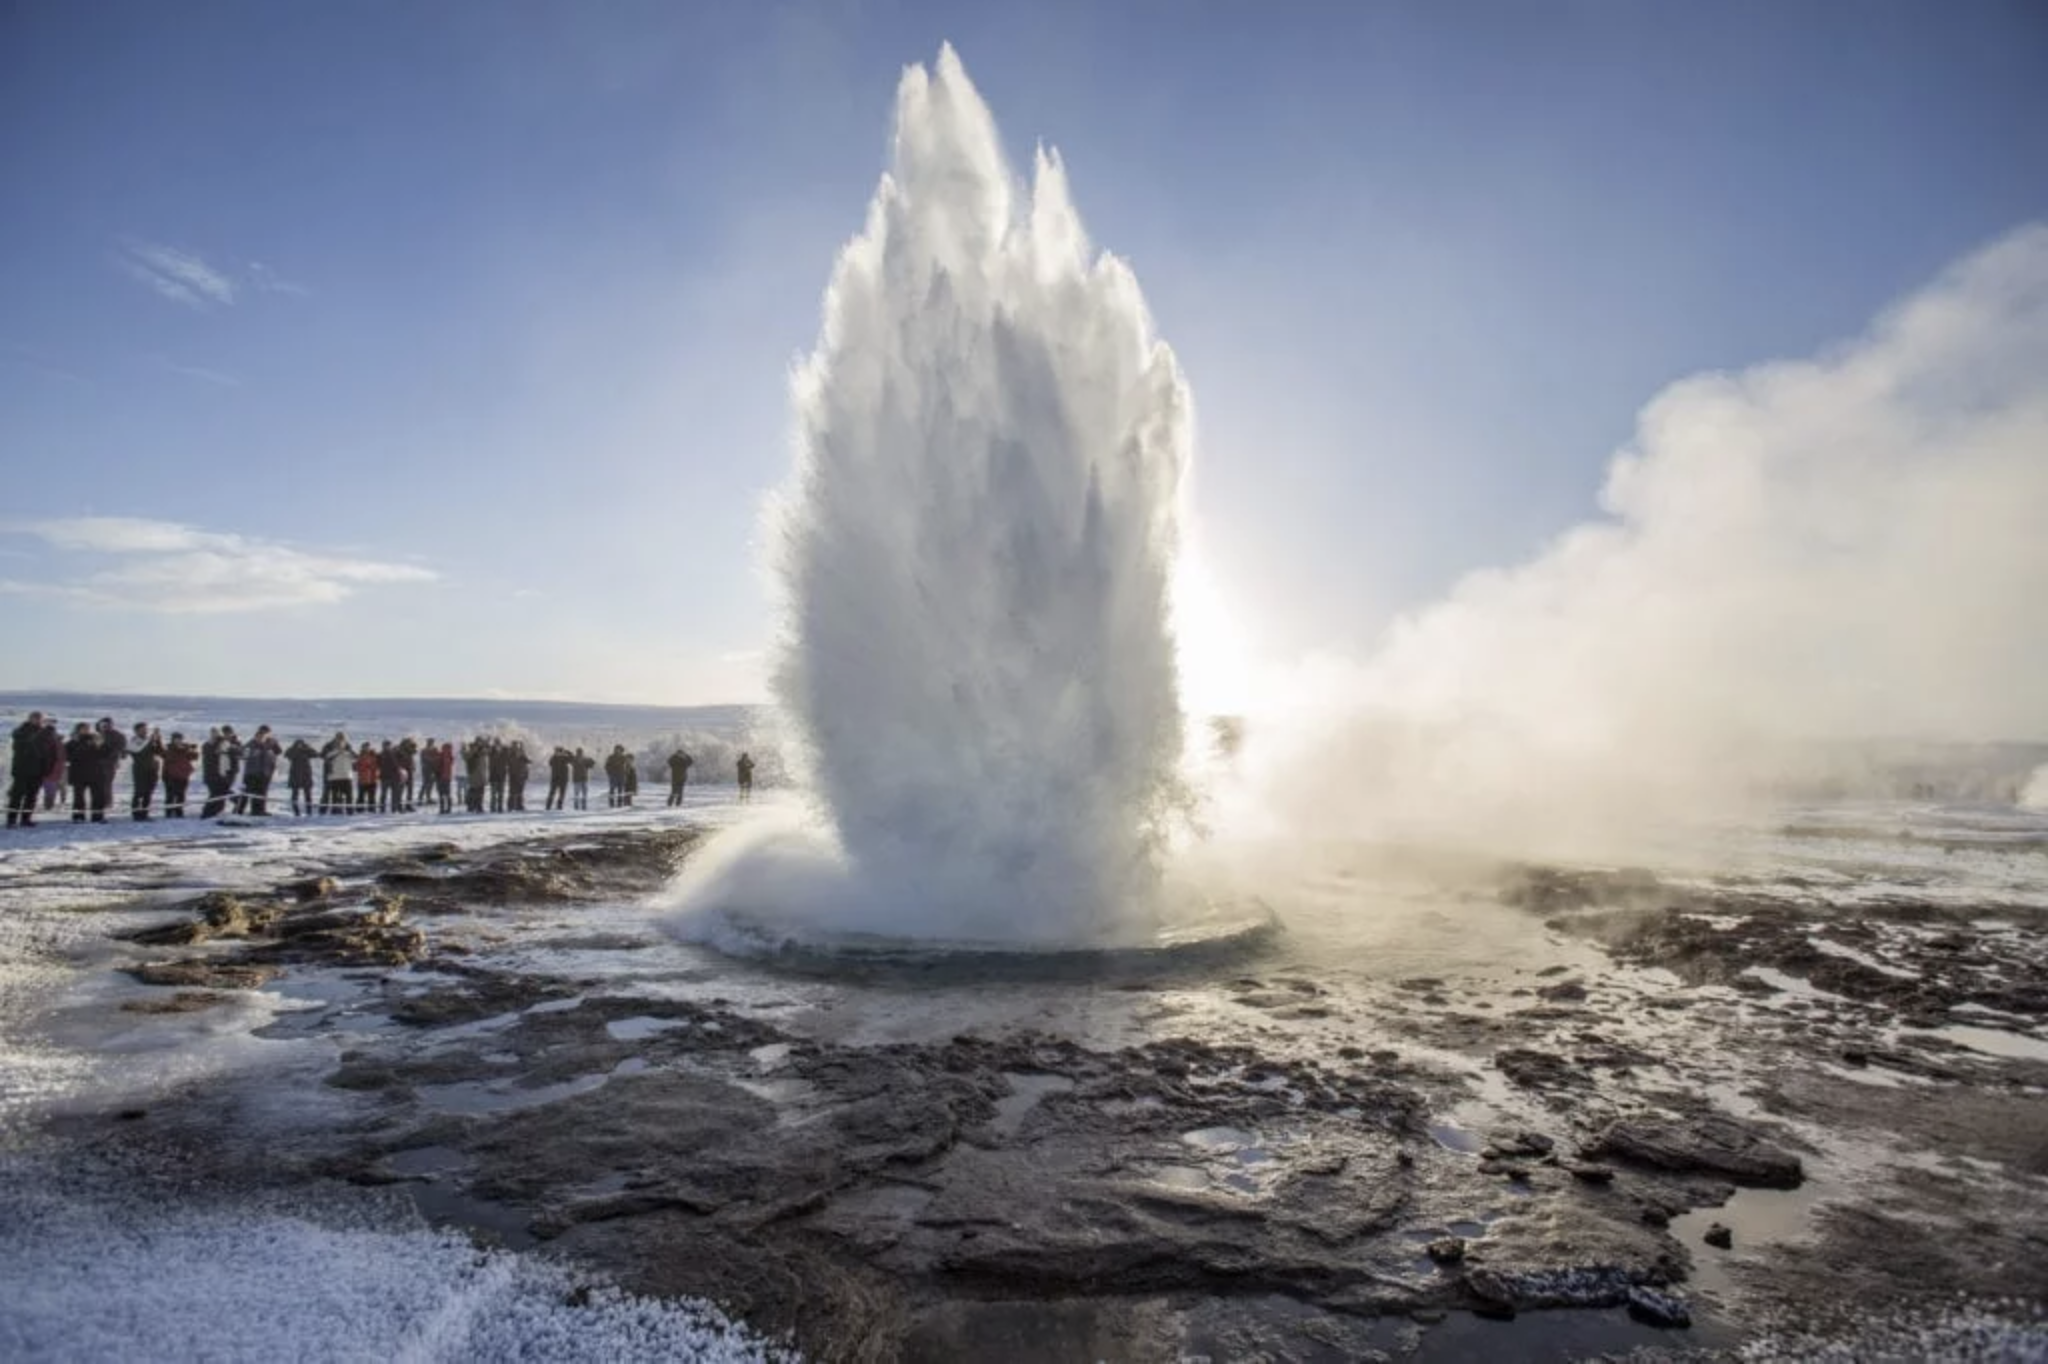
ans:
(1025, 1092)
(641, 1027)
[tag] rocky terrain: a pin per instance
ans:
(1694, 1118)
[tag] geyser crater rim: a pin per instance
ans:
(1242, 929)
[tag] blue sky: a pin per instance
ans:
(442, 349)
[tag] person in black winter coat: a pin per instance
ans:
(146, 756)
(299, 759)
(495, 759)
(113, 748)
(678, 775)
(220, 758)
(259, 769)
(518, 767)
(34, 758)
(390, 779)
(559, 763)
(615, 775)
(83, 752)
(581, 765)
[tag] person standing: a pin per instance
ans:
(476, 761)
(408, 774)
(495, 758)
(214, 773)
(615, 776)
(259, 769)
(146, 765)
(444, 774)
(745, 768)
(113, 748)
(298, 765)
(82, 766)
(558, 779)
(678, 775)
(34, 757)
(518, 768)
(392, 776)
(179, 760)
(368, 764)
(338, 767)
(581, 765)
(53, 780)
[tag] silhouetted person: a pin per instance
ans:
(53, 780)
(36, 754)
(82, 766)
(444, 775)
(745, 768)
(632, 779)
(298, 774)
(559, 763)
(338, 768)
(476, 766)
(518, 767)
(678, 775)
(391, 773)
(615, 773)
(180, 759)
(581, 765)
(495, 758)
(146, 766)
(259, 769)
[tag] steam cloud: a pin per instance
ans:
(1793, 560)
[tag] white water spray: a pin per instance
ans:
(976, 553)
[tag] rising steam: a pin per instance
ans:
(1792, 561)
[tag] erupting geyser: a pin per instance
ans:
(976, 552)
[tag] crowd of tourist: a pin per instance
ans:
(486, 775)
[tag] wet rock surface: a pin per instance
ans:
(1291, 1162)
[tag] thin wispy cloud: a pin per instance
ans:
(269, 281)
(165, 566)
(189, 278)
(181, 276)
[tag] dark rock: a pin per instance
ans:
(1658, 1309)
(1533, 1069)
(1588, 1173)
(312, 888)
(1563, 990)
(1719, 1236)
(1712, 1144)
(183, 1002)
(198, 974)
(1446, 1250)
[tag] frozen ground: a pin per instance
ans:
(1132, 1157)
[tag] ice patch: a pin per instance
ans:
(106, 1279)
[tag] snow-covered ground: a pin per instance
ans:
(89, 1272)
